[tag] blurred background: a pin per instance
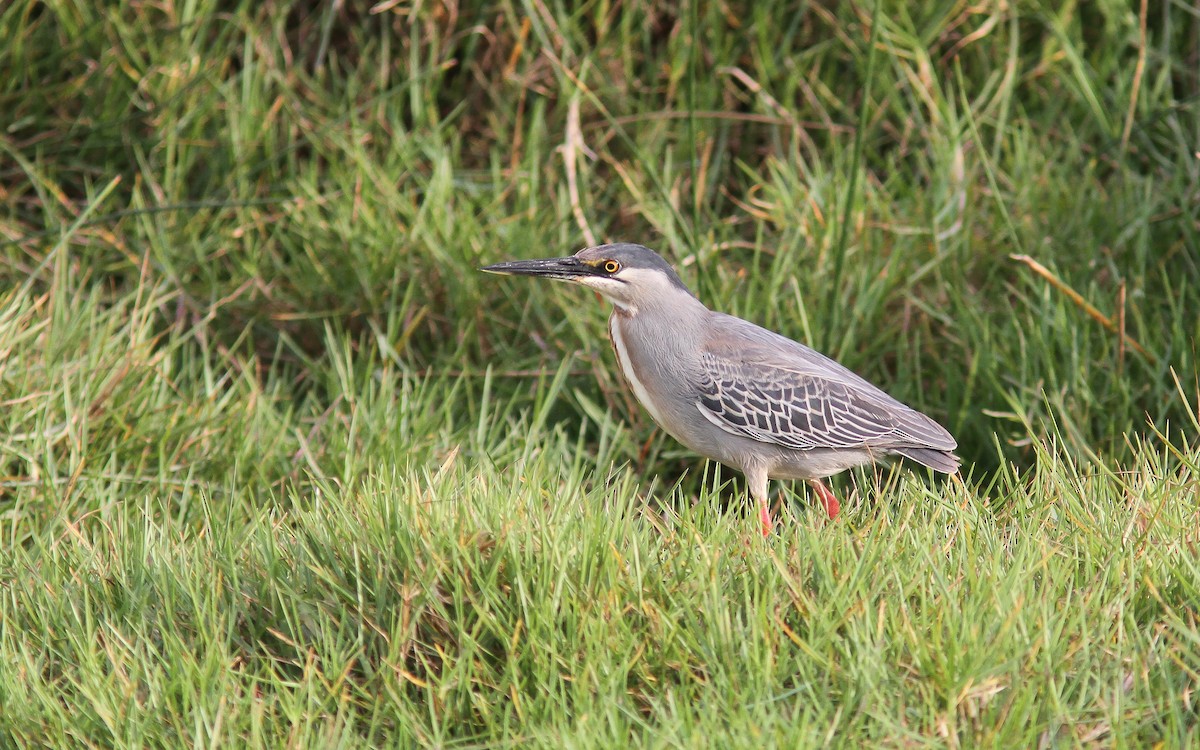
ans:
(257, 184)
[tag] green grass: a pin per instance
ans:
(278, 467)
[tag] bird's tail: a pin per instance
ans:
(943, 461)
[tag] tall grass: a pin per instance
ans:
(278, 467)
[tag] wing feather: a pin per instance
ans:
(800, 399)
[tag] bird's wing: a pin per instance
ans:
(778, 391)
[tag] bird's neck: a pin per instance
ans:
(656, 329)
(676, 311)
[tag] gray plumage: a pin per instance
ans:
(735, 392)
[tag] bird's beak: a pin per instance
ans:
(568, 269)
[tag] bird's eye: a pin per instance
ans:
(611, 266)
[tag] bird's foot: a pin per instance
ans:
(832, 506)
(764, 517)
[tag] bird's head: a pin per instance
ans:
(629, 276)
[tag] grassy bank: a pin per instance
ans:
(279, 467)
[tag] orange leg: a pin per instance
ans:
(832, 506)
(756, 478)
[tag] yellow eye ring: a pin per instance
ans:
(611, 266)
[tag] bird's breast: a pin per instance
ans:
(658, 366)
(629, 360)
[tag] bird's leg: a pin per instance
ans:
(832, 506)
(764, 517)
(645, 451)
(757, 478)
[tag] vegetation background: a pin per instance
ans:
(278, 467)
